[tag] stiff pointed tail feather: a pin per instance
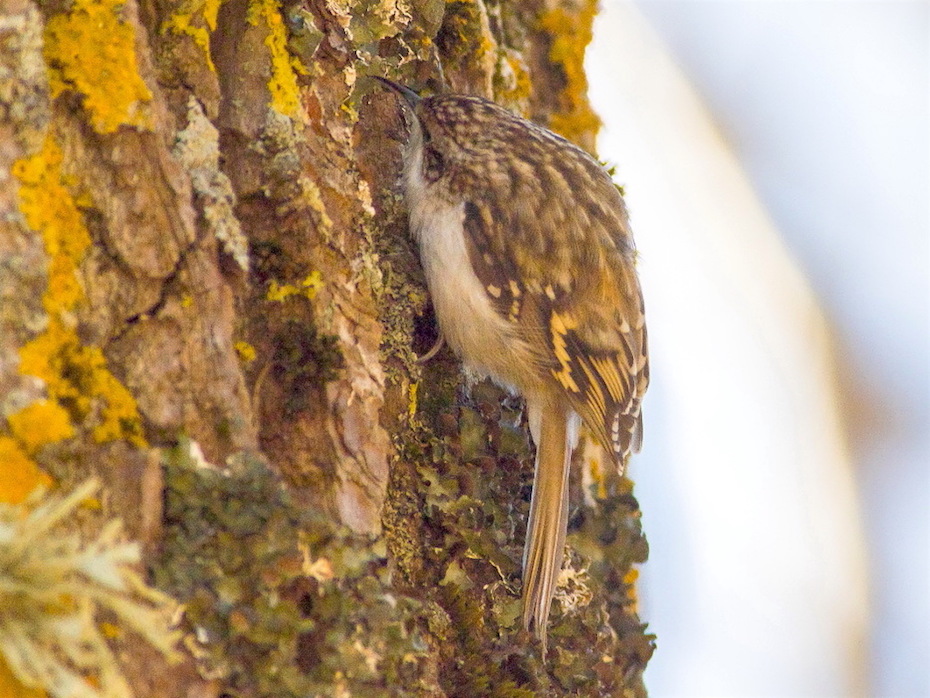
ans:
(548, 522)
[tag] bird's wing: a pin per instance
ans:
(590, 333)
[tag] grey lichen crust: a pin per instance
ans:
(197, 149)
(24, 116)
(24, 100)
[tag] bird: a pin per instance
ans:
(529, 260)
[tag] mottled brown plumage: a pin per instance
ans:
(528, 254)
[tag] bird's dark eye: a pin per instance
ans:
(432, 164)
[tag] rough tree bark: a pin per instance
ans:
(209, 300)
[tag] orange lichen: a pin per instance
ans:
(42, 422)
(76, 376)
(630, 580)
(198, 21)
(571, 33)
(211, 9)
(285, 96)
(187, 25)
(21, 475)
(49, 209)
(91, 50)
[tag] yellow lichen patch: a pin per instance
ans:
(571, 33)
(308, 288)
(50, 210)
(211, 9)
(77, 377)
(19, 475)
(630, 580)
(91, 50)
(280, 292)
(312, 284)
(245, 351)
(42, 422)
(185, 24)
(412, 399)
(196, 19)
(285, 97)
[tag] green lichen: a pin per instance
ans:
(401, 296)
(90, 49)
(460, 490)
(303, 35)
(465, 40)
(280, 601)
(287, 181)
(371, 21)
(456, 503)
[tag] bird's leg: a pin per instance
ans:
(440, 341)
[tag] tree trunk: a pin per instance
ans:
(209, 301)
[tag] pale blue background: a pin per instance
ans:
(825, 107)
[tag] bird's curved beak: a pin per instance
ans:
(410, 97)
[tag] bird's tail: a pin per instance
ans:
(548, 522)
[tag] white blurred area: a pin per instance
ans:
(778, 185)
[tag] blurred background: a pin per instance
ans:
(776, 159)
